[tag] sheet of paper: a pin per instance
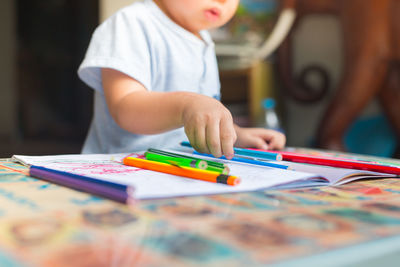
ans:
(337, 176)
(150, 184)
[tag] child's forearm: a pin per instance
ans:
(140, 111)
(144, 112)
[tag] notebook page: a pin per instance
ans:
(337, 176)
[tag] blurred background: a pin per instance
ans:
(46, 109)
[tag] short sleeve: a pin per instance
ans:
(120, 43)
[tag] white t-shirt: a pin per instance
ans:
(142, 42)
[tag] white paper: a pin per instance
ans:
(338, 176)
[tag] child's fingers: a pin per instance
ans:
(265, 139)
(213, 139)
(190, 135)
(277, 141)
(200, 142)
(260, 143)
(227, 137)
(194, 136)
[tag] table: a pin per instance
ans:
(43, 224)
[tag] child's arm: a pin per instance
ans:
(208, 124)
(259, 138)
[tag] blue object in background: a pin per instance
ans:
(259, 6)
(371, 135)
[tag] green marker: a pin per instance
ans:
(166, 153)
(212, 165)
(181, 162)
(224, 169)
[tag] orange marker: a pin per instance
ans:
(209, 176)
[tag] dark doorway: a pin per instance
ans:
(54, 106)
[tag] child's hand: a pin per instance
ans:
(259, 138)
(209, 126)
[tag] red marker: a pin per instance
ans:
(336, 162)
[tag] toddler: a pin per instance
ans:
(154, 71)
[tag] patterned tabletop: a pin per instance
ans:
(43, 224)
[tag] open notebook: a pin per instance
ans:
(150, 184)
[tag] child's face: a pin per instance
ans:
(197, 15)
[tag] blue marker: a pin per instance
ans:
(250, 153)
(249, 161)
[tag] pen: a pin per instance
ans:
(249, 161)
(188, 172)
(250, 152)
(117, 192)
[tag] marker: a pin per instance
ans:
(339, 162)
(204, 175)
(211, 165)
(181, 162)
(249, 161)
(113, 191)
(224, 170)
(258, 154)
(250, 152)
